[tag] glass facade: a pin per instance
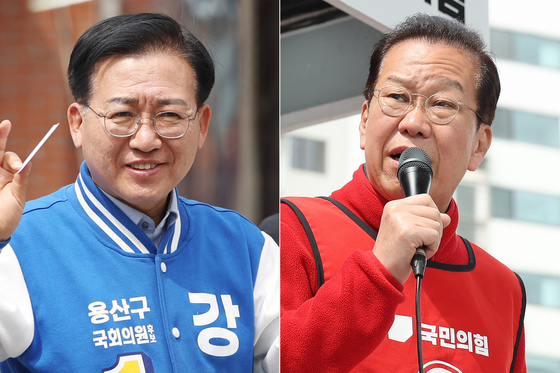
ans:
(526, 127)
(542, 290)
(526, 48)
(525, 206)
(537, 364)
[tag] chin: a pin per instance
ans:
(139, 198)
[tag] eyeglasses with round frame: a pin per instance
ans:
(125, 123)
(439, 108)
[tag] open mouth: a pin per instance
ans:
(396, 156)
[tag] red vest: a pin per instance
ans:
(472, 314)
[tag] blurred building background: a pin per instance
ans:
(511, 205)
(238, 166)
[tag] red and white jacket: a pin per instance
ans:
(362, 320)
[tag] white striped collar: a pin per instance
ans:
(103, 216)
(138, 217)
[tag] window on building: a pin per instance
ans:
(542, 290)
(308, 154)
(526, 127)
(537, 364)
(532, 49)
(465, 197)
(525, 206)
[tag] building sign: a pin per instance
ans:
(383, 15)
(453, 8)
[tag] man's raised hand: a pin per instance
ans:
(13, 187)
(407, 224)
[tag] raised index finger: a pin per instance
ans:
(5, 127)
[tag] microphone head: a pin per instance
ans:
(415, 171)
(414, 157)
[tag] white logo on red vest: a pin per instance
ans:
(437, 366)
(443, 336)
(401, 330)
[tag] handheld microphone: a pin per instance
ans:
(415, 175)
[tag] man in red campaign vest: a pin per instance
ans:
(348, 297)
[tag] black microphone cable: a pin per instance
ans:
(418, 264)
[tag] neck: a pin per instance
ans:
(156, 211)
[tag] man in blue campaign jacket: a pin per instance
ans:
(117, 273)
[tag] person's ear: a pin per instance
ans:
(480, 146)
(205, 113)
(75, 121)
(363, 124)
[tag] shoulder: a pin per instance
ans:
(496, 271)
(46, 220)
(218, 219)
(47, 202)
(204, 210)
(297, 206)
(484, 258)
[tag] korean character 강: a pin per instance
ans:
(212, 332)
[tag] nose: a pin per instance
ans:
(415, 122)
(146, 138)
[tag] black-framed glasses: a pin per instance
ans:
(440, 108)
(125, 123)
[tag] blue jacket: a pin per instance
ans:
(101, 302)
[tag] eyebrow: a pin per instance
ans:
(134, 101)
(172, 101)
(452, 83)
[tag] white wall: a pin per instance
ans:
(343, 156)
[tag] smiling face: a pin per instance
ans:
(142, 169)
(426, 69)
